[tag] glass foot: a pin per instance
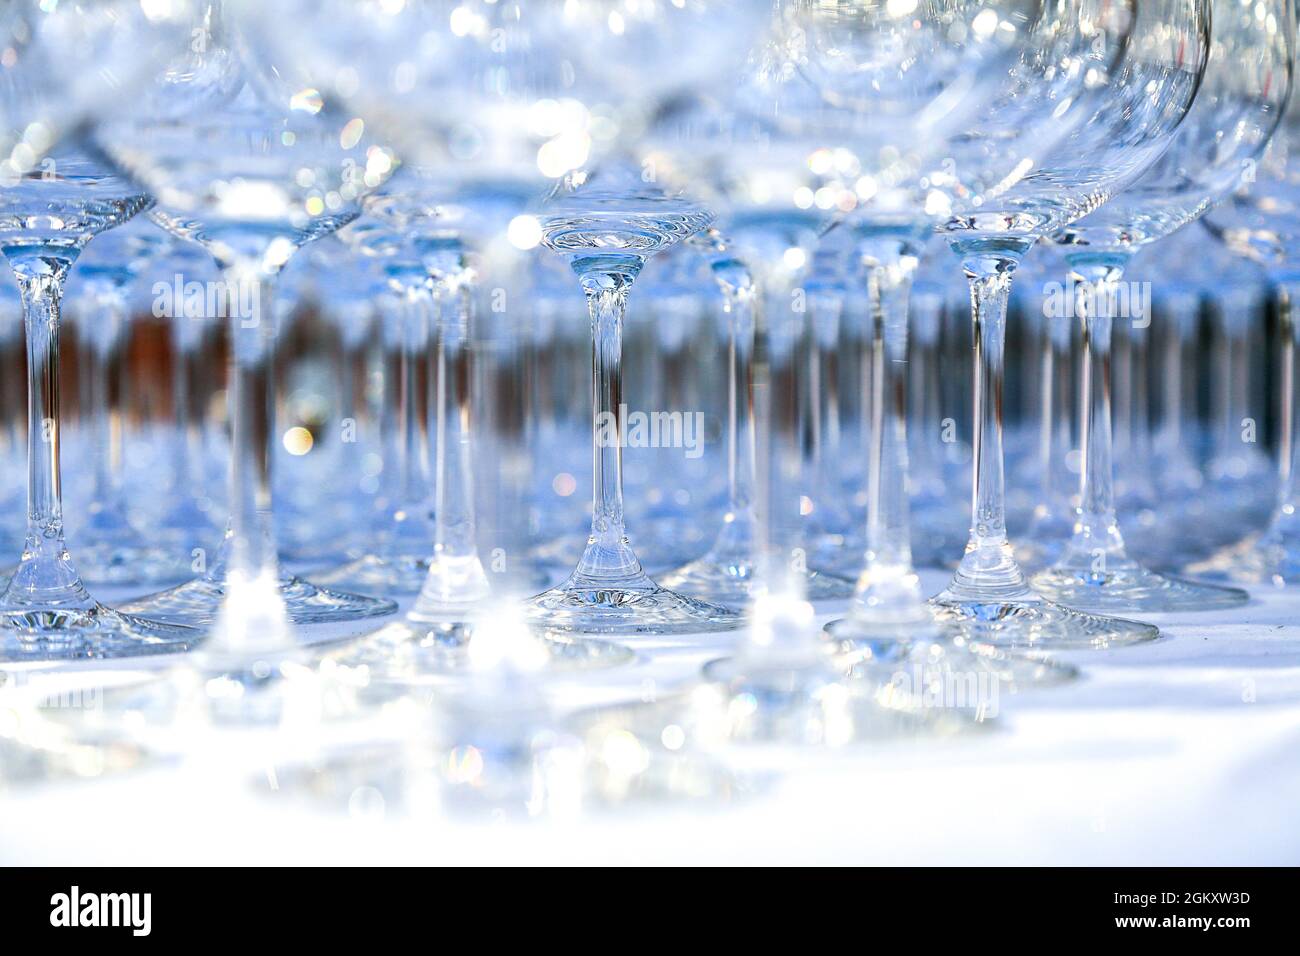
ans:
(93, 633)
(1026, 620)
(197, 603)
(1131, 587)
(641, 608)
(729, 582)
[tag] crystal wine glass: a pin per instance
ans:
(607, 225)
(1001, 191)
(57, 194)
(1260, 224)
(469, 93)
(1240, 102)
(250, 170)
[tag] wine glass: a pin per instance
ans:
(1259, 224)
(250, 170)
(607, 224)
(46, 219)
(1036, 110)
(1240, 101)
(58, 193)
(787, 156)
(470, 95)
(1000, 193)
(785, 153)
(537, 91)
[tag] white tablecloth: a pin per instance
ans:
(1182, 751)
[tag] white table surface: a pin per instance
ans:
(1182, 751)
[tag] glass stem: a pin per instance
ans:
(1096, 544)
(607, 311)
(46, 576)
(456, 576)
(249, 547)
(1283, 528)
(783, 626)
(888, 590)
(737, 540)
(781, 558)
(988, 570)
(608, 559)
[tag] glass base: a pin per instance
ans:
(1026, 620)
(409, 651)
(730, 582)
(1131, 587)
(197, 602)
(642, 607)
(93, 633)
